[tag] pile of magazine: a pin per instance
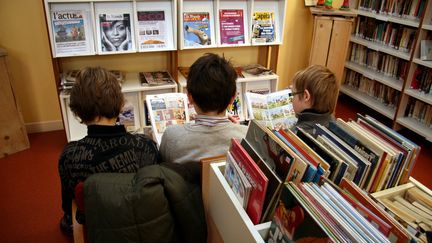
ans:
(68, 78)
(155, 78)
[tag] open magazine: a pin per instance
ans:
(165, 110)
(274, 110)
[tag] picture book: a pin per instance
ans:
(426, 50)
(231, 26)
(152, 30)
(237, 180)
(294, 221)
(263, 27)
(256, 178)
(116, 33)
(165, 110)
(196, 29)
(155, 78)
(274, 110)
(71, 32)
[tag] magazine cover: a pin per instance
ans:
(69, 29)
(152, 30)
(155, 78)
(231, 26)
(165, 110)
(273, 110)
(115, 32)
(196, 29)
(263, 28)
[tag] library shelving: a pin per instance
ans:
(383, 65)
(154, 41)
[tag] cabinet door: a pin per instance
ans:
(12, 130)
(339, 46)
(321, 39)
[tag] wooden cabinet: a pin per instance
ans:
(332, 30)
(13, 134)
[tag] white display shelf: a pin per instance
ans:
(427, 98)
(423, 63)
(230, 218)
(416, 126)
(374, 75)
(369, 101)
(389, 18)
(380, 47)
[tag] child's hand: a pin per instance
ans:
(234, 119)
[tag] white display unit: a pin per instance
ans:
(133, 92)
(395, 113)
(213, 7)
(230, 218)
(248, 83)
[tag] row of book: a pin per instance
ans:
(379, 91)
(396, 36)
(422, 80)
(411, 9)
(386, 64)
(365, 152)
(419, 110)
(68, 78)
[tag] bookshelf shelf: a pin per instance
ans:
(374, 75)
(368, 101)
(407, 66)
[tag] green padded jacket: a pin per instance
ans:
(159, 203)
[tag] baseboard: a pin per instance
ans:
(34, 127)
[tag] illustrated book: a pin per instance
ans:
(263, 27)
(274, 110)
(231, 26)
(165, 110)
(196, 29)
(237, 180)
(155, 78)
(152, 30)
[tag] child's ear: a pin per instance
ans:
(307, 95)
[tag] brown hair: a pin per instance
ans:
(321, 84)
(96, 93)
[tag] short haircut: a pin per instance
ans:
(321, 84)
(212, 82)
(96, 93)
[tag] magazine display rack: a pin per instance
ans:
(135, 115)
(391, 89)
(222, 23)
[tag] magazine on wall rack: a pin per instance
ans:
(69, 32)
(263, 27)
(196, 29)
(115, 32)
(152, 30)
(231, 26)
(165, 110)
(274, 110)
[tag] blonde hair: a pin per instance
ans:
(321, 84)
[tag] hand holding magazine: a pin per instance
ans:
(274, 110)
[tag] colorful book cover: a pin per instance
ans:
(152, 29)
(196, 29)
(263, 27)
(231, 26)
(256, 178)
(115, 32)
(237, 180)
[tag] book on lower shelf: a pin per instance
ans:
(155, 78)
(274, 110)
(165, 110)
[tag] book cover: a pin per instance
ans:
(115, 32)
(256, 178)
(274, 110)
(69, 30)
(294, 221)
(165, 110)
(155, 78)
(231, 26)
(237, 180)
(196, 29)
(152, 30)
(263, 27)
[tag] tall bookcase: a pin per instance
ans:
(77, 40)
(382, 60)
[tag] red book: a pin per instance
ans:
(256, 178)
